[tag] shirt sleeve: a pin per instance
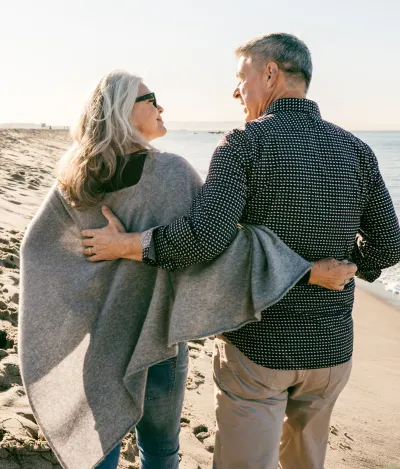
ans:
(378, 242)
(211, 224)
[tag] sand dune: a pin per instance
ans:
(364, 433)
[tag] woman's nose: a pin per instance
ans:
(236, 93)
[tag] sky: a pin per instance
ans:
(53, 52)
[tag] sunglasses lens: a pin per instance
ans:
(149, 96)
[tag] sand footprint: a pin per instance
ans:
(194, 350)
(18, 176)
(202, 433)
(343, 443)
(10, 262)
(33, 181)
(199, 378)
(198, 341)
(185, 422)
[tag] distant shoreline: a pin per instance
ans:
(205, 126)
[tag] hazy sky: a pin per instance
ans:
(52, 52)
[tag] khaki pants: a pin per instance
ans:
(251, 404)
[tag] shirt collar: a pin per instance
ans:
(293, 105)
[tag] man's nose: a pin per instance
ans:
(160, 109)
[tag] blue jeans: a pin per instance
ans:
(157, 433)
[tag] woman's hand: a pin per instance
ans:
(331, 273)
(111, 242)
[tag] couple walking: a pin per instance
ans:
(313, 211)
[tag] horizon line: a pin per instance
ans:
(13, 125)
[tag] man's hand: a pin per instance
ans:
(331, 273)
(111, 242)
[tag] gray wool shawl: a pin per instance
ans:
(89, 331)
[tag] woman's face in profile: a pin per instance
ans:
(146, 117)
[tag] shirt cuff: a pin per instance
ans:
(304, 280)
(148, 247)
(369, 276)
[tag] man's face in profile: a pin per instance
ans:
(251, 89)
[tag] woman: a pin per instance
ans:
(95, 166)
(110, 162)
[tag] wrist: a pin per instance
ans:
(131, 246)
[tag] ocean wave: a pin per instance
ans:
(390, 279)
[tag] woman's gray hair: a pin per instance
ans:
(103, 134)
(290, 54)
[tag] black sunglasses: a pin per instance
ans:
(146, 97)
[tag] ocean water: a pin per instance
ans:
(197, 146)
(386, 146)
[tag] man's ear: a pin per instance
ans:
(271, 74)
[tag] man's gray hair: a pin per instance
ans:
(290, 54)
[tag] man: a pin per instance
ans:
(319, 188)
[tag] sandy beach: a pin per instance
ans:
(365, 430)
